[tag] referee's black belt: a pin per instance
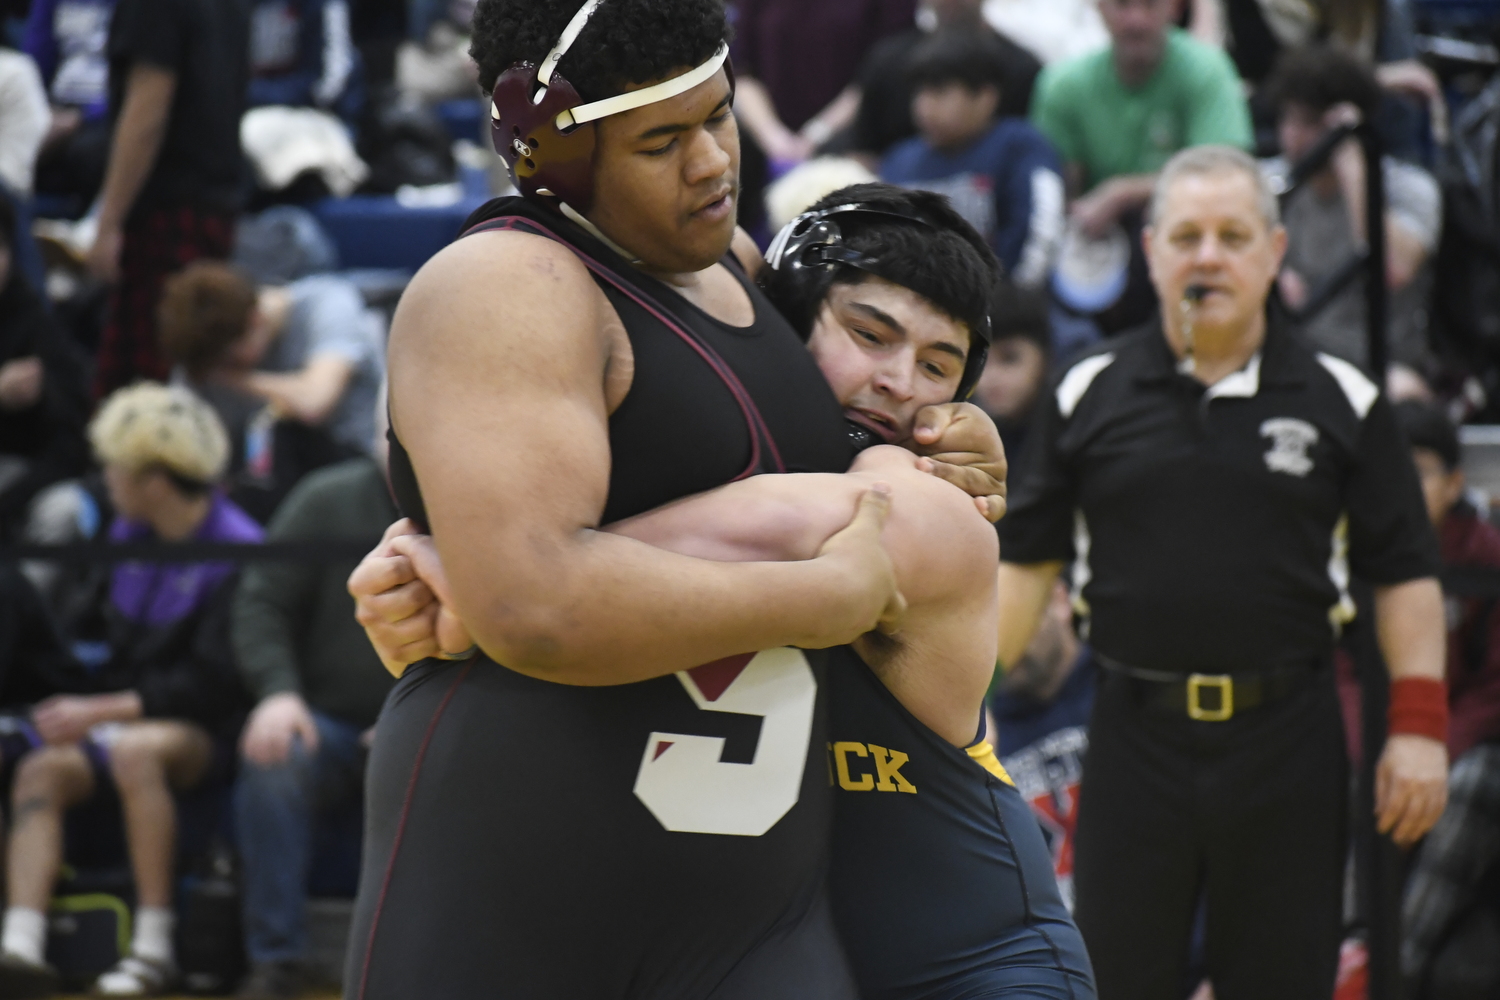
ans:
(1209, 697)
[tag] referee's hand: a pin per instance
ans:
(1411, 787)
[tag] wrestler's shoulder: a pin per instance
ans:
(520, 265)
(493, 291)
(747, 252)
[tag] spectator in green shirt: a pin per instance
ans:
(1118, 114)
(320, 687)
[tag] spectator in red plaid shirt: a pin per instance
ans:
(1465, 843)
(178, 73)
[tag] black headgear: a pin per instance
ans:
(810, 249)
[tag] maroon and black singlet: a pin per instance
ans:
(667, 839)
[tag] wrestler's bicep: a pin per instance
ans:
(497, 364)
(940, 545)
(942, 548)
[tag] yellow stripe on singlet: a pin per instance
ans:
(984, 755)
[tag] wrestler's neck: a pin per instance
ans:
(687, 280)
(682, 281)
(712, 289)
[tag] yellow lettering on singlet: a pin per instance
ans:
(984, 755)
(841, 753)
(888, 769)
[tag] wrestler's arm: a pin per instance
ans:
(939, 665)
(787, 517)
(498, 354)
(941, 662)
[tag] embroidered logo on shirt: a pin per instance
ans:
(1290, 440)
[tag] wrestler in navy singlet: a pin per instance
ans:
(534, 840)
(942, 884)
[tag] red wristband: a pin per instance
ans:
(1419, 706)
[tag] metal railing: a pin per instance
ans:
(1368, 261)
(323, 550)
(1379, 864)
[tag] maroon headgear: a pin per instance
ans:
(537, 120)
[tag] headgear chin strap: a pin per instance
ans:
(537, 119)
(808, 252)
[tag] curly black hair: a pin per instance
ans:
(949, 264)
(1320, 76)
(625, 42)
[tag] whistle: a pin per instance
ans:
(1191, 296)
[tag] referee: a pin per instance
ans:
(1215, 484)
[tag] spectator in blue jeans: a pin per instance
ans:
(320, 687)
(157, 715)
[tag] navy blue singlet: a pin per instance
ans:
(942, 883)
(666, 840)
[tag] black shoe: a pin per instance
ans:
(23, 980)
(271, 981)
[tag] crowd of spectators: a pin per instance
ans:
(159, 382)
(161, 385)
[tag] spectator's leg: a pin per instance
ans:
(1454, 857)
(1136, 863)
(159, 243)
(28, 259)
(275, 809)
(48, 781)
(341, 762)
(147, 761)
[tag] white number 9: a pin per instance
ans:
(682, 779)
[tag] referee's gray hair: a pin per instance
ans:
(1198, 160)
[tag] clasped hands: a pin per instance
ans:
(403, 601)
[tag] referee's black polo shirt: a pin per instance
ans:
(1214, 529)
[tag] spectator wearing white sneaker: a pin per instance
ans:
(159, 715)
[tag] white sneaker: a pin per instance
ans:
(133, 976)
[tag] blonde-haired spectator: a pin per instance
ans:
(156, 427)
(797, 190)
(162, 710)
